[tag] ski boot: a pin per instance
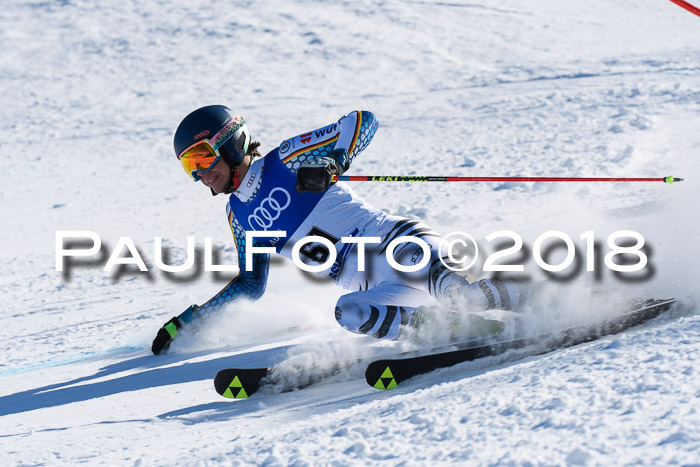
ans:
(167, 333)
(437, 323)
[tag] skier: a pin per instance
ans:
(292, 189)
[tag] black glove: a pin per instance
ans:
(316, 177)
(165, 336)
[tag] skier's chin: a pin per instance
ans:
(219, 186)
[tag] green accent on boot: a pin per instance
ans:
(484, 327)
(418, 319)
(172, 329)
(473, 325)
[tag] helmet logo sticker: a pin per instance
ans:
(201, 134)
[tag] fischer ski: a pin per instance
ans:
(241, 383)
(389, 373)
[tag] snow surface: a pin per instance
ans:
(92, 92)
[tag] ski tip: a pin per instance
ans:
(652, 302)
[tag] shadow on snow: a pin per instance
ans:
(153, 375)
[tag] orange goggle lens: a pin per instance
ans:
(199, 158)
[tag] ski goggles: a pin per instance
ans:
(201, 156)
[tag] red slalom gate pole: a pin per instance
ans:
(419, 178)
(687, 6)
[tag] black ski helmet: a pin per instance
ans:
(204, 123)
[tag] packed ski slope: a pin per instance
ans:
(92, 92)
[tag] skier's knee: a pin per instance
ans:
(380, 321)
(350, 315)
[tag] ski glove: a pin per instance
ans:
(316, 177)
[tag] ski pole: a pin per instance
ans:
(422, 178)
(687, 6)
